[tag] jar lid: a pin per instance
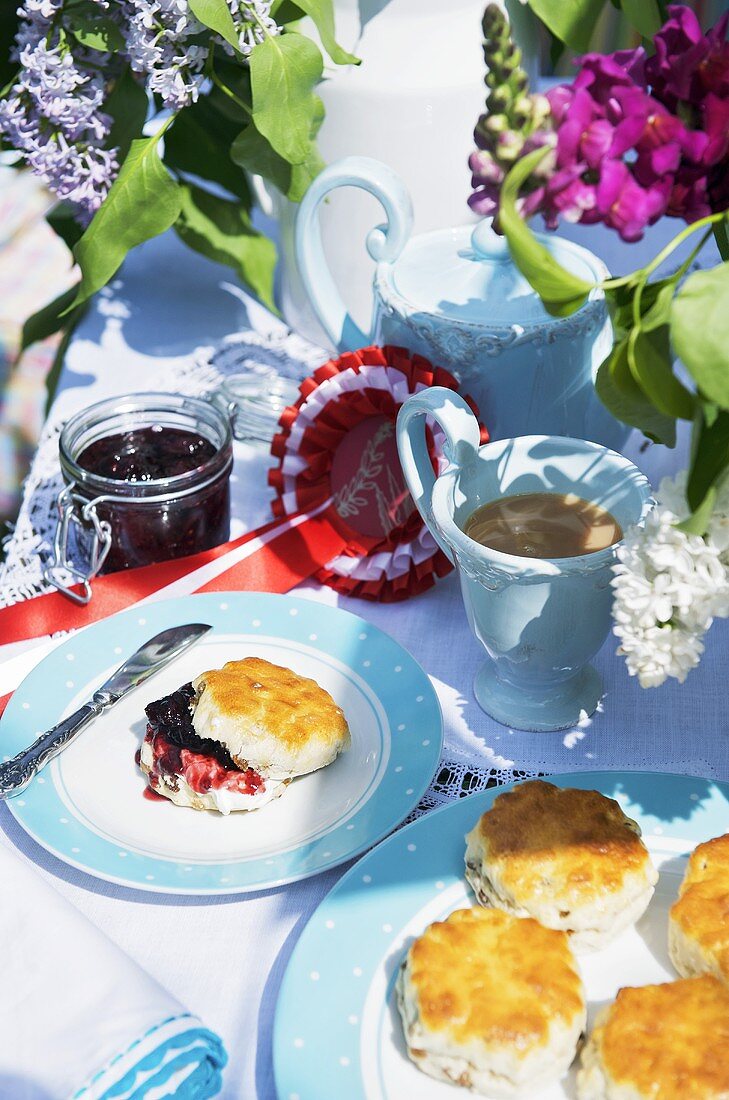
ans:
(468, 275)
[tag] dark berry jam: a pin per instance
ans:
(156, 468)
(146, 454)
(178, 751)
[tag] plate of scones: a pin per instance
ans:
(557, 938)
(291, 737)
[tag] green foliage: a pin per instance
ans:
(128, 105)
(95, 30)
(222, 231)
(653, 322)
(284, 71)
(49, 319)
(215, 14)
(255, 153)
(142, 203)
(571, 21)
(624, 397)
(199, 143)
(560, 290)
(709, 459)
(255, 115)
(321, 13)
(700, 331)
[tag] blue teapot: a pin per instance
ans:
(456, 297)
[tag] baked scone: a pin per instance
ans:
(570, 858)
(237, 736)
(698, 924)
(660, 1042)
(491, 1002)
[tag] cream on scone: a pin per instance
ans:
(698, 923)
(491, 1002)
(568, 857)
(660, 1042)
(236, 738)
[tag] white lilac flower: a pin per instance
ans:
(253, 21)
(52, 114)
(158, 34)
(669, 586)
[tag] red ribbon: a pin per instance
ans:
(290, 553)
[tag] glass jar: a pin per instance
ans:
(146, 479)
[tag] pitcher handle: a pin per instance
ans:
(384, 243)
(463, 437)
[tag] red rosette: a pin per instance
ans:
(337, 444)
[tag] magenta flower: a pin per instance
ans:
(636, 137)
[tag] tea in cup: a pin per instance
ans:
(547, 513)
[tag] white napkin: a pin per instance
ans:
(78, 1019)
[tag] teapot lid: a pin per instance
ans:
(468, 275)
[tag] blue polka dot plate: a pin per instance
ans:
(337, 1030)
(87, 807)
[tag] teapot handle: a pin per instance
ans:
(384, 243)
(463, 438)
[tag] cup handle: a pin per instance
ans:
(463, 438)
(384, 243)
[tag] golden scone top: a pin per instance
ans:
(484, 976)
(293, 708)
(669, 1041)
(573, 841)
(702, 910)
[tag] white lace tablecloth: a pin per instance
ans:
(224, 958)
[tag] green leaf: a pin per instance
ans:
(651, 364)
(199, 142)
(321, 13)
(63, 223)
(254, 153)
(644, 15)
(284, 71)
(49, 319)
(710, 458)
(96, 31)
(721, 236)
(128, 105)
(222, 231)
(560, 290)
(215, 14)
(700, 331)
(622, 396)
(698, 522)
(572, 21)
(144, 201)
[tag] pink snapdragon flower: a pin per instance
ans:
(635, 137)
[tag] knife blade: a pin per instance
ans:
(16, 774)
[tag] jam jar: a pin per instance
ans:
(146, 479)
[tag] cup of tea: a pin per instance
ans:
(532, 525)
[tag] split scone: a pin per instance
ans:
(660, 1042)
(237, 736)
(568, 857)
(698, 924)
(491, 1002)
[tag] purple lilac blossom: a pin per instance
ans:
(53, 115)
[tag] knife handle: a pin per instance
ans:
(16, 774)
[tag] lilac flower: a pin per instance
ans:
(157, 44)
(53, 115)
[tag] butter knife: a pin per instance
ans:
(16, 774)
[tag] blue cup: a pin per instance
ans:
(541, 620)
